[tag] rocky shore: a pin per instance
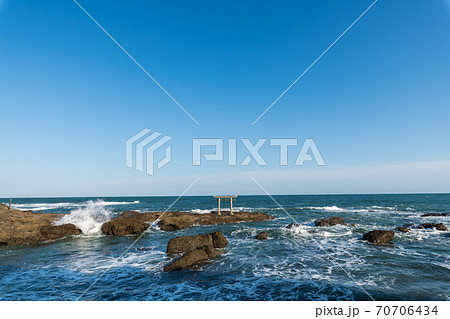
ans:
(131, 222)
(25, 227)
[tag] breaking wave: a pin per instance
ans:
(88, 218)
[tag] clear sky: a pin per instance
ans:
(377, 104)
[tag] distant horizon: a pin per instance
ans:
(262, 195)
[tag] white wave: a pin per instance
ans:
(48, 206)
(224, 208)
(118, 203)
(88, 218)
(43, 206)
(201, 211)
(327, 208)
(384, 207)
(245, 209)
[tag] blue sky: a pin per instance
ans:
(377, 104)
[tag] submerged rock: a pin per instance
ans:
(331, 221)
(196, 249)
(439, 226)
(379, 236)
(130, 222)
(435, 214)
(262, 235)
(292, 225)
(25, 227)
(403, 229)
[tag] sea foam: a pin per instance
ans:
(88, 218)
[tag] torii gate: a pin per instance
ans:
(231, 198)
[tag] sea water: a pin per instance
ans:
(303, 263)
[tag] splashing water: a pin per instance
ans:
(88, 218)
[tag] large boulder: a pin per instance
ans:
(122, 227)
(196, 249)
(26, 227)
(439, 226)
(331, 221)
(192, 258)
(262, 235)
(379, 236)
(186, 243)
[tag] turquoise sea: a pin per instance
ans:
(305, 263)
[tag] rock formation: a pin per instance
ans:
(262, 235)
(131, 223)
(403, 229)
(379, 236)
(196, 249)
(25, 227)
(331, 221)
(185, 243)
(439, 226)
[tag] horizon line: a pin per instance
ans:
(263, 195)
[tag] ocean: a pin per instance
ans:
(304, 263)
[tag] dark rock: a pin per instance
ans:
(408, 225)
(56, 232)
(144, 249)
(192, 258)
(262, 235)
(130, 223)
(435, 214)
(186, 243)
(197, 249)
(352, 225)
(439, 226)
(219, 240)
(379, 236)
(403, 229)
(171, 224)
(292, 225)
(331, 221)
(122, 227)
